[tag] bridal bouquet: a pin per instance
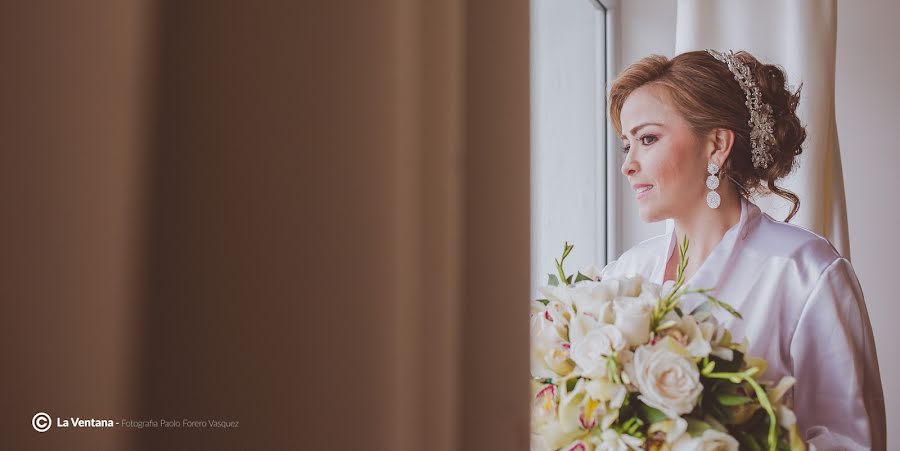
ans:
(616, 364)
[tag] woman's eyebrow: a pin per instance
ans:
(638, 127)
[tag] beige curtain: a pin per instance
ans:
(799, 35)
(308, 217)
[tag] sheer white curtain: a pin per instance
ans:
(800, 36)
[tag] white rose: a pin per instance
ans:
(549, 349)
(650, 292)
(580, 326)
(631, 286)
(668, 380)
(595, 299)
(590, 351)
(633, 319)
(711, 440)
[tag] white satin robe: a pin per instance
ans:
(803, 311)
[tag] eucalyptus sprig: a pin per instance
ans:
(671, 301)
(567, 248)
(716, 301)
(560, 276)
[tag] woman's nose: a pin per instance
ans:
(629, 166)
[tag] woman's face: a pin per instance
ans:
(663, 152)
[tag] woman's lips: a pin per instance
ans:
(641, 192)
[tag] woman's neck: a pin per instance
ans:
(705, 228)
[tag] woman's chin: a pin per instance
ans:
(649, 214)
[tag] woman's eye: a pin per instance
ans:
(650, 137)
(625, 149)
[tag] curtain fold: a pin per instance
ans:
(800, 36)
(312, 220)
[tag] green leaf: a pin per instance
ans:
(783, 445)
(581, 277)
(554, 281)
(749, 442)
(653, 415)
(732, 400)
(567, 248)
(719, 412)
(758, 424)
(544, 301)
(682, 261)
(570, 384)
(696, 427)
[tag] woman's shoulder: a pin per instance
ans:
(638, 259)
(785, 241)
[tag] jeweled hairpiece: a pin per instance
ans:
(761, 123)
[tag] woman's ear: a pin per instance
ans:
(721, 139)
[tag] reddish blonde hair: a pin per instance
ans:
(703, 90)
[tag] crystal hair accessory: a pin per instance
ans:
(762, 138)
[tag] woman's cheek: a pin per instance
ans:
(668, 175)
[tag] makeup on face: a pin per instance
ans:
(658, 144)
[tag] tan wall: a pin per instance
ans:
(312, 219)
(72, 86)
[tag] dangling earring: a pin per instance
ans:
(712, 182)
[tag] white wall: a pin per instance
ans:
(867, 110)
(568, 148)
(648, 27)
(868, 107)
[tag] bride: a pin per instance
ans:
(704, 117)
